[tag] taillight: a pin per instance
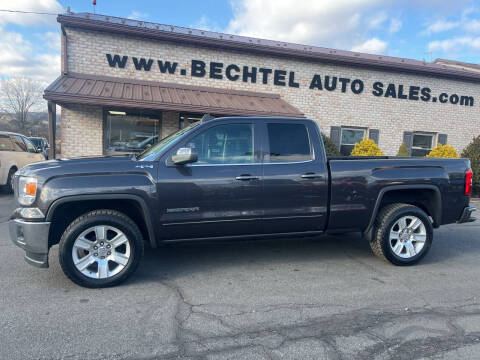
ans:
(468, 182)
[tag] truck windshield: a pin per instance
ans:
(36, 141)
(151, 153)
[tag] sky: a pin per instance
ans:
(418, 29)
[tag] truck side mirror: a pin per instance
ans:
(184, 156)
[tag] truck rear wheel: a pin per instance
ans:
(402, 234)
(101, 248)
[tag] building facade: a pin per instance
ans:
(125, 84)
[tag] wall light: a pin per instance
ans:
(111, 112)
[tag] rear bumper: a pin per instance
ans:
(467, 215)
(33, 238)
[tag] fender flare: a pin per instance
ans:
(136, 198)
(387, 189)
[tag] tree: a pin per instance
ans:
(472, 152)
(402, 150)
(443, 151)
(330, 148)
(19, 95)
(366, 147)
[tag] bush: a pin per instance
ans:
(443, 151)
(331, 148)
(472, 152)
(402, 150)
(366, 147)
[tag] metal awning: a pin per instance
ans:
(119, 92)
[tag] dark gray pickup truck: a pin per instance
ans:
(230, 178)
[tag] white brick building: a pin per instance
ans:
(126, 83)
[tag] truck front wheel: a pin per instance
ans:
(402, 234)
(101, 248)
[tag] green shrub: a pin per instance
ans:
(472, 152)
(366, 147)
(402, 150)
(443, 151)
(330, 148)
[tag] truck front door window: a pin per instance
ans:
(30, 147)
(224, 144)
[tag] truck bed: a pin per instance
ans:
(356, 182)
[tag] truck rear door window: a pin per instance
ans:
(288, 142)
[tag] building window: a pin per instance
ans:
(131, 131)
(349, 137)
(422, 143)
(187, 119)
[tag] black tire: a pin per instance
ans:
(386, 219)
(95, 218)
(9, 185)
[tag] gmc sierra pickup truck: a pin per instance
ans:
(230, 178)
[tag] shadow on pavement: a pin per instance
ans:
(178, 259)
(182, 259)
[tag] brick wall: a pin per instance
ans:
(82, 131)
(87, 49)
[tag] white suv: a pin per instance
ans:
(16, 151)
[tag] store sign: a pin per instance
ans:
(286, 78)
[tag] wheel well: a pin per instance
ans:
(426, 199)
(65, 213)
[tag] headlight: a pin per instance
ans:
(27, 190)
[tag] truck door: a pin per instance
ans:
(220, 194)
(295, 193)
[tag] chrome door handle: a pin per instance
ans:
(311, 176)
(246, 177)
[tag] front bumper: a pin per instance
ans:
(467, 215)
(33, 238)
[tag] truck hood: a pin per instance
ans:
(83, 166)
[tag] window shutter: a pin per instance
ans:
(408, 140)
(373, 134)
(335, 132)
(442, 139)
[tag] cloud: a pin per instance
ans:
(205, 23)
(340, 23)
(51, 39)
(395, 26)
(372, 46)
(455, 44)
(137, 15)
(472, 26)
(20, 58)
(378, 20)
(44, 6)
(441, 26)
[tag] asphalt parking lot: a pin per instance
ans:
(314, 298)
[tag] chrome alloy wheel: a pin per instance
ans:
(101, 252)
(407, 236)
